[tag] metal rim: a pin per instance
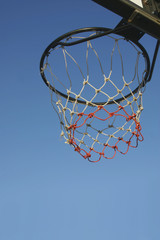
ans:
(103, 31)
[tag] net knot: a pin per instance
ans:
(136, 134)
(115, 147)
(131, 117)
(90, 115)
(77, 149)
(101, 154)
(73, 126)
(120, 138)
(128, 142)
(120, 107)
(106, 79)
(68, 92)
(138, 126)
(80, 114)
(71, 141)
(100, 107)
(111, 114)
(106, 144)
(85, 82)
(88, 155)
(58, 102)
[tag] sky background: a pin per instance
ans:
(48, 191)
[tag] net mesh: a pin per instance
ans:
(100, 129)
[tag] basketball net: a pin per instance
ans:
(98, 130)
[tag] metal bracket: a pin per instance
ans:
(132, 33)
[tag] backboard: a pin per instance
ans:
(142, 14)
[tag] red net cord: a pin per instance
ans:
(136, 133)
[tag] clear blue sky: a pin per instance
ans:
(47, 191)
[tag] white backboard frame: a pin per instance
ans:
(137, 2)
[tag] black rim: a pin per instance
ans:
(100, 32)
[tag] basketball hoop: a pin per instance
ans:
(98, 103)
